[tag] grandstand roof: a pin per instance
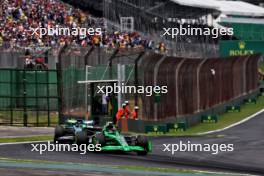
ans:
(227, 7)
(197, 3)
(240, 8)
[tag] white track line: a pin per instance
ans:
(15, 143)
(233, 125)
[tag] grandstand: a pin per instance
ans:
(148, 18)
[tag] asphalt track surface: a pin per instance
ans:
(11, 131)
(41, 172)
(247, 157)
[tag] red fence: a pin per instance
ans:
(195, 84)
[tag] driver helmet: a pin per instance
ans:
(78, 123)
(110, 127)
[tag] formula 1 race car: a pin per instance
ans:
(111, 140)
(68, 131)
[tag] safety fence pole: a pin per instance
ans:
(37, 102)
(25, 115)
(60, 82)
(48, 95)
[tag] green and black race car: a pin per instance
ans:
(66, 133)
(111, 140)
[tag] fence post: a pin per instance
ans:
(37, 103)
(11, 97)
(136, 75)
(25, 115)
(198, 84)
(60, 82)
(87, 55)
(86, 78)
(245, 75)
(110, 63)
(48, 97)
(176, 84)
(155, 77)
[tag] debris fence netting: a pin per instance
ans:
(72, 70)
(195, 84)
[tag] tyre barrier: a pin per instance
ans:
(180, 126)
(169, 127)
(155, 129)
(209, 118)
(250, 101)
(234, 108)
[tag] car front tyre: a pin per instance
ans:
(59, 132)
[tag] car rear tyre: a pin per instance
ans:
(81, 138)
(59, 132)
(142, 141)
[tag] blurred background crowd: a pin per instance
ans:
(18, 17)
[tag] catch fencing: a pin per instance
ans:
(96, 65)
(28, 97)
(195, 85)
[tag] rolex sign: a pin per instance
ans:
(240, 48)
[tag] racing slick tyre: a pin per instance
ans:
(142, 141)
(81, 138)
(59, 132)
(100, 139)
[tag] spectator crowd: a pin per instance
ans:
(19, 17)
